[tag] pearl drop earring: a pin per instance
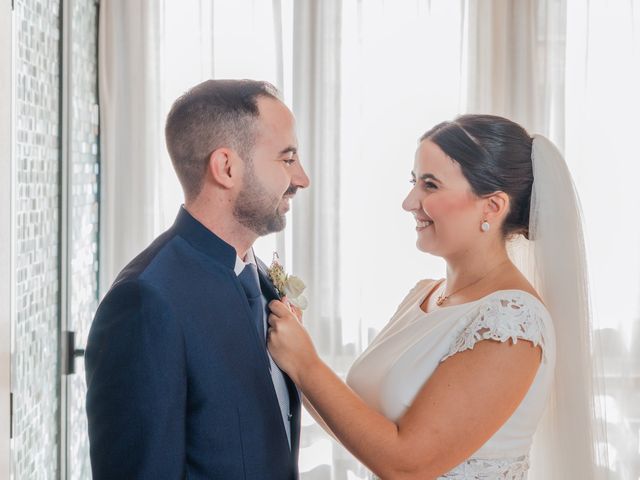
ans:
(485, 226)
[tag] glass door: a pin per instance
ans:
(80, 222)
(5, 236)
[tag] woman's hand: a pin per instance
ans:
(289, 343)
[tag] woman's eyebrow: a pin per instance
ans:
(426, 176)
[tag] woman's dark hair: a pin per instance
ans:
(495, 155)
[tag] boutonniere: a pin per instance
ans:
(287, 285)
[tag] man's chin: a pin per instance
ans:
(277, 224)
(280, 224)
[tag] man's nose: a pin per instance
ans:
(300, 179)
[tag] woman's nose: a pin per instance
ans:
(410, 202)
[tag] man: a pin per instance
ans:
(180, 383)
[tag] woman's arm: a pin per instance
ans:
(316, 416)
(467, 399)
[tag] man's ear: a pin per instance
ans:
(222, 168)
(496, 206)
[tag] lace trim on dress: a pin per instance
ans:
(487, 469)
(490, 469)
(501, 319)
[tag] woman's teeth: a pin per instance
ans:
(424, 224)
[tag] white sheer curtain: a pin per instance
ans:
(316, 236)
(602, 105)
(515, 62)
(316, 104)
(131, 123)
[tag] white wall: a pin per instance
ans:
(5, 233)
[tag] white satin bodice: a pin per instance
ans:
(397, 363)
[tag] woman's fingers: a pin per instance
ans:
(278, 308)
(273, 320)
(297, 312)
(283, 309)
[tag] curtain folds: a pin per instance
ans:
(316, 216)
(516, 62)
(131, 130)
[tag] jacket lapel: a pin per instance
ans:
(294, 396)
(265, 282)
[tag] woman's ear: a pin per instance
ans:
(221, 167)
(496, 206)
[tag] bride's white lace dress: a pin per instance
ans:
(389, 374)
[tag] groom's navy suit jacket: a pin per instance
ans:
(178, 378)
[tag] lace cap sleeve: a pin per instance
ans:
(510, 316)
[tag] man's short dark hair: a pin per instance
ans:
(212, 115)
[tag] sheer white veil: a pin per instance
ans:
(570, 434)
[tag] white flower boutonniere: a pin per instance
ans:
(287, 285)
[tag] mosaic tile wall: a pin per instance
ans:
(35, 362)
(37, 195)
(83, 144)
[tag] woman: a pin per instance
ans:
(457, 382)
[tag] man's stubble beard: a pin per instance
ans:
(255, 208)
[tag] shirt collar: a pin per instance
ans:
(249, 258)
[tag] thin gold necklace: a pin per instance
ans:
(443, 298)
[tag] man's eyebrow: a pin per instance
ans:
(289, 149)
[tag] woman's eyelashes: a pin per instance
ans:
(426, 184)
